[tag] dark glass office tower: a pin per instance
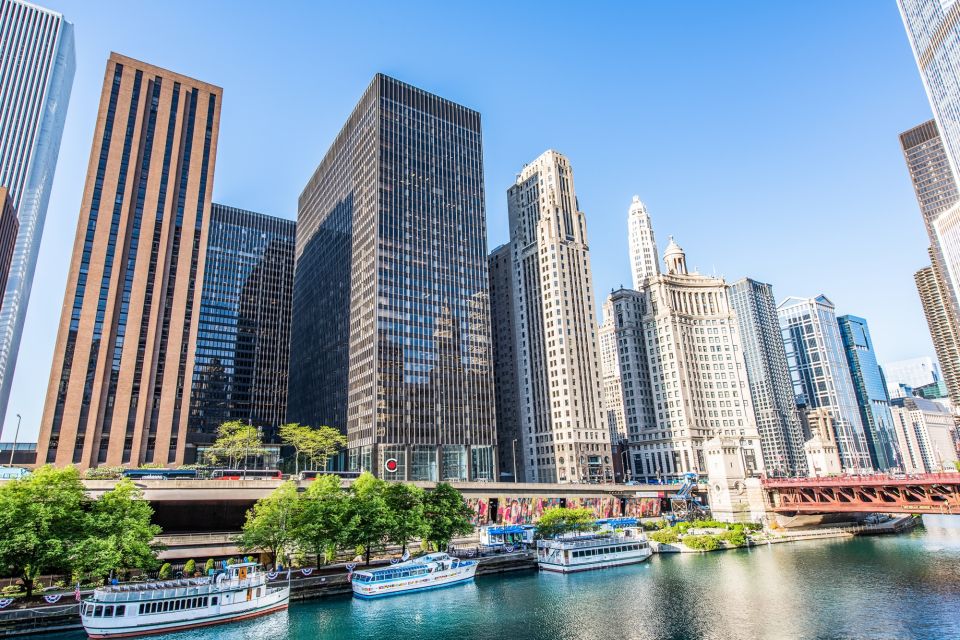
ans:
(390, 339)
(243, 342)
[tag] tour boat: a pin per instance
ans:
(427, 572)
(611, 548)
(236, 593)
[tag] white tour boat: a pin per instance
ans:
(431, 571)
(617, 543)
(239, 592)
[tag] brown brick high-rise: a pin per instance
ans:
(120, 382)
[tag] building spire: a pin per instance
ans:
(644, 261)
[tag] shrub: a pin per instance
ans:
(190, 568)
(103, 473)
(702, 543)
(665, 536)
(11, 589)
(736, 537)
(165, 571)
(207, 568)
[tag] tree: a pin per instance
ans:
(42, 519)
(406, 508)
(235, 439)
(321, 525)
(271, 523)
(190, 568)
(446, 515)
(119, 534)
(165, 571)
(209, 566)
(324, 443)
(368, 518)
(297, 436)
(559, 520)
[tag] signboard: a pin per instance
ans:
(390, 464)
(649, 494)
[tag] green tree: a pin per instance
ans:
(41, 518)
(272, 521)
(119, 534)
(559, 520)
(324, 443)
(368, 518)
(209, 566)
(445, 515)
(165, 571)
(235, 440)
(190, 568)
(405, 502)
(297, 436)
(322, 519)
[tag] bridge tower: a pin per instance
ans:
(734, 497)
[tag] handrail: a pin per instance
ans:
(887, 478)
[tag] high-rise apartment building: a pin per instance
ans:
(37, 64)
(771, 390)
(911, 373)
(564, 436)
(506, 389)
(9, 225)
(243, 342)
(871, 391)
(924, 430)
(944, 331)
(700, 389)
(390, 339)
(821, 377)
(136, 272)
(644, 261)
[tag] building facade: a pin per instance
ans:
(506, 387)
(821, 377)
(644, 261)
(390, 339)
(37, 64)
(136, 270)
(565, 437)
(924, 430)
(243, 342)
(871, 391)
(944, 330)
(771, 390)
(9, 226)
(910, 374)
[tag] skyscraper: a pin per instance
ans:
(871, 391)
(564, 437)
(934, 298)
(821, 377)
(36, 73)
(137, 265)
(912, 373)
(9, 225)
(391, 330)
(924, 430)
(644, 261)
(502, 310)
(771, 390)
(243, 341)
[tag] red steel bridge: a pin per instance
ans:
(920, 493)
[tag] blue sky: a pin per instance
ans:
(762, 135)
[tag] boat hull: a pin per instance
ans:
(453, 577)
(601, 564)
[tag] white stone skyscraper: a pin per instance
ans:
(563, 438)
(37, 63)
(644, 261)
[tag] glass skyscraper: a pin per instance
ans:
(37, 64)
(243, 339)
(871, 390)
(390, 339)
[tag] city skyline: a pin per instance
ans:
(606, 182)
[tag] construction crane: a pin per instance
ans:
(685, 505)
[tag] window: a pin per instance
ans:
(121, 610)
(214, 600)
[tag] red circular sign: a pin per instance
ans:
(391, 465)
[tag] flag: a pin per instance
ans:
(405, 556)
(76, 593)
(288, 574)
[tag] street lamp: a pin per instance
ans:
(514, 447)
(16, 434)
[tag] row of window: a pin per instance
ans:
(600, 551)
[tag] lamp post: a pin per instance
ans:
(514, 447)
(16, 434)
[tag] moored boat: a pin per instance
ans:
(617, 543)
(431, 571)
(238, 592)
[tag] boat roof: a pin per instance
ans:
(150, 586)
(512, 528)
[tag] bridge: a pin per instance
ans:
(895, 494)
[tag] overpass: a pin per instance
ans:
(881, 493)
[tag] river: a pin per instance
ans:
(905, 586)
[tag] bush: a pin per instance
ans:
(190, 568)
(736, 537)
(11, 589)
(165, 571)
(702, 543)
(103, 473)
(665, 536)
(207, 568)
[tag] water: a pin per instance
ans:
(885, 587)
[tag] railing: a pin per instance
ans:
(881, 478)
(176, 591)
(574, 543)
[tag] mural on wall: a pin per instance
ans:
(642, 508)
(523, 510)
(603, 507)
(481, 510)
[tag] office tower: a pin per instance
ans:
(771, 390)
(627, 392)
(871, 392)
(821, 377)
(924, 430)
(911, 373)
(390, 339)
(36, 73)
(944, 331)
(243, 339)
(697, 372)
(565, 439)
(644, 261)
(136, 270)
(502, 310)
(9, 225)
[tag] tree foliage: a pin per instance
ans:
(316, 444)
(406, 503)
(272, 522)
(446, 515)
(235, 441)
(559, 520)
(368, 519)
(321, 525)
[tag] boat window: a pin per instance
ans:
(214, 599)
(98, 611)
(205, 601)
(108, 611)
(121, 610)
